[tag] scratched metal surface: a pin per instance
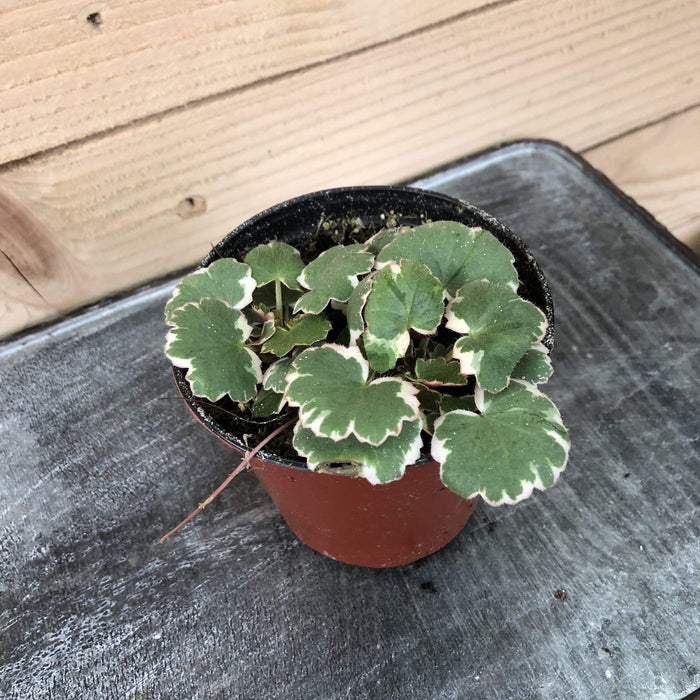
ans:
(98, 460)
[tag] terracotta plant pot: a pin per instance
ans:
(350, 519)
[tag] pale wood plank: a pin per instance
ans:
(659, 166)
(112, 206)
(63, 77)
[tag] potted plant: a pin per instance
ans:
(375, 353)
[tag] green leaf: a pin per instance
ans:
(263, 332)
(379, 464)
(224, 279)
(267, 403)
(437, 371)
(329, 385)
(208, 340)
(383, 238)
(501, 328)
(534, 366)
(265, 296)
(517, 444)
(356, 304)
(276, 375)
(303, 330)
(275, 261)
(332, 275)
(457, 403)
(429, 405)
(404, 296)
(454, 253)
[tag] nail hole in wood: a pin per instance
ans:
(94, 19)
(194, 205)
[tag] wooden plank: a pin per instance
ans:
(69, 70)
(116, 207)
(660, 167)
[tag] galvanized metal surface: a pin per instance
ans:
(99, 458)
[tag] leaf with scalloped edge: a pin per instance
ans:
(518, 443)
(329, 385)
(355, 307)
(454, 253)
(267, 403)
(225, 279)
(208, 340)
(501, 328)
(404, 296)
(275, 261)
(534, 366)
(437, 371)
(379, 464)
(383, 238)
(275, 377)
(306, 329)
(332, 275)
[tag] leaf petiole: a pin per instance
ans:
(243, 465)
(279, 306)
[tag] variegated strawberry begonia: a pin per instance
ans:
(378, 346)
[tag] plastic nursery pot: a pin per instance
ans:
(349, 519)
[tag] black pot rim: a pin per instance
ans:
(319, 203)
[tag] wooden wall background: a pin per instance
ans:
(135, 132)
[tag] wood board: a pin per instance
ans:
(115, 210)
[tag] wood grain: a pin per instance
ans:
(69, 70)
(580, 74)
(659, 166)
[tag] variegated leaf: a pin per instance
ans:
(383, 238)
(379, 464)
(332, 275)
(329, 385)
(263, 332)
(225, 279)
(355, 307)
(501, 327)
(534, 366)
(404, 296)
(437, 371)
(275, 377)
(517, 443)
(208, 339)
(306, 329)
(275, 261)
(454, 253)
(267, 403)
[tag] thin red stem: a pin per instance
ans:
(244, 463)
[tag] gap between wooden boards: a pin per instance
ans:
(71, 71)
(112, 211)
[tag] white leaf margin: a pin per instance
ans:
(406, 391)
(247, 282)
(242, 324)
(367, 471)
(440, 453)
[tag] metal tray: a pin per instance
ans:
(99, 458)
